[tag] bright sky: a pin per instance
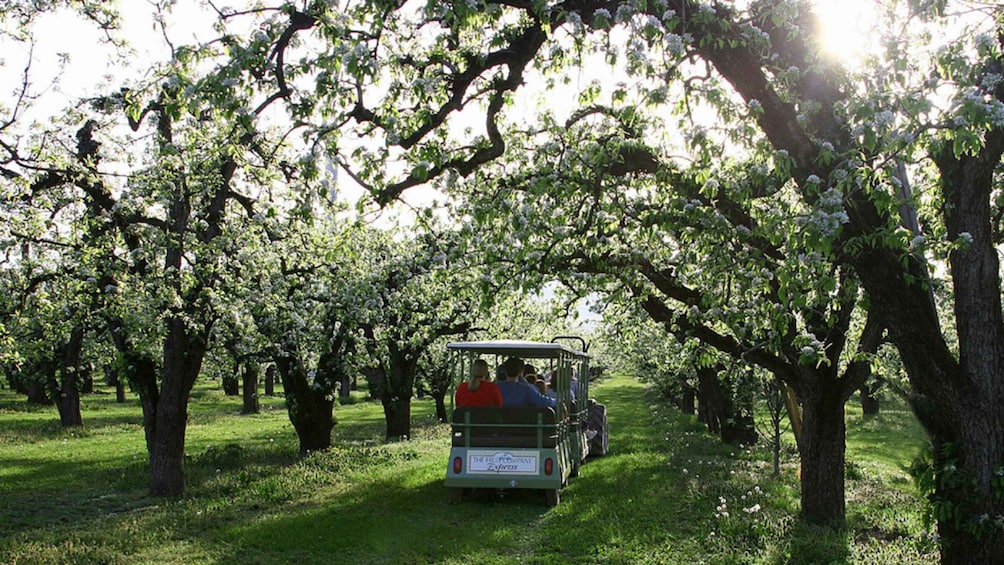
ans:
(93, 65)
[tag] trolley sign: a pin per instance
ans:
(495, 462)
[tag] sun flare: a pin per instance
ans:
(846, 29)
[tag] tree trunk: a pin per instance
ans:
(66, 390)
(87, 381)
(184, 351)
(36, 392)
(440, 398)
(375, 380)
(345, 387)
(68, 404)
(250, 378)
(740, 428)
(969, 474)
(397, 412)
(270, 380)
(231, 383)
(687, 403)
(167, 447)
(120, 391)
(710, 409)
(869, 402)
(822, 448)
(398, 386)
(309, 408)
(12, 374)
(959, 402)
(968, 528)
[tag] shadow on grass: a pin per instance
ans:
(806, 544)
(389, 521)
(254, 501)
(885, 437)
(52, 494)
(381, 522)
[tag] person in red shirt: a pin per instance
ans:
(478, 390)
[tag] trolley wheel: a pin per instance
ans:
(456, 494)
(552, 495)
(575, 470)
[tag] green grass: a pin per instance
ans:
(660, 496)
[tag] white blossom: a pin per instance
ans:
(601, 18)
(986, 41)
(991, 80)
(883, 118)
(624, 13)
(675, 44)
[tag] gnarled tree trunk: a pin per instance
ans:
(309, 406)
(399, 383)
(67, 393)
(822, 448)
(166, 418)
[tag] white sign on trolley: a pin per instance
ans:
(485, 461)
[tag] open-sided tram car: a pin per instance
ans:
(520, 447)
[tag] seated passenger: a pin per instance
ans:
(541, 386)
(549, 390)
(478, 390)
(516, 393)
(529, 374)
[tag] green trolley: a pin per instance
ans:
(521, 447)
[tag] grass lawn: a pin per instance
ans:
(666, 493)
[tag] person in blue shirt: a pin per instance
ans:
(517, 393)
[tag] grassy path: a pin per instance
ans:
(666, 493)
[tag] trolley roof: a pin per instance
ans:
(531, 349)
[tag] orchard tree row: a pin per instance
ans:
(707, 164)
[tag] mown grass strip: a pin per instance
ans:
(666, 493)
